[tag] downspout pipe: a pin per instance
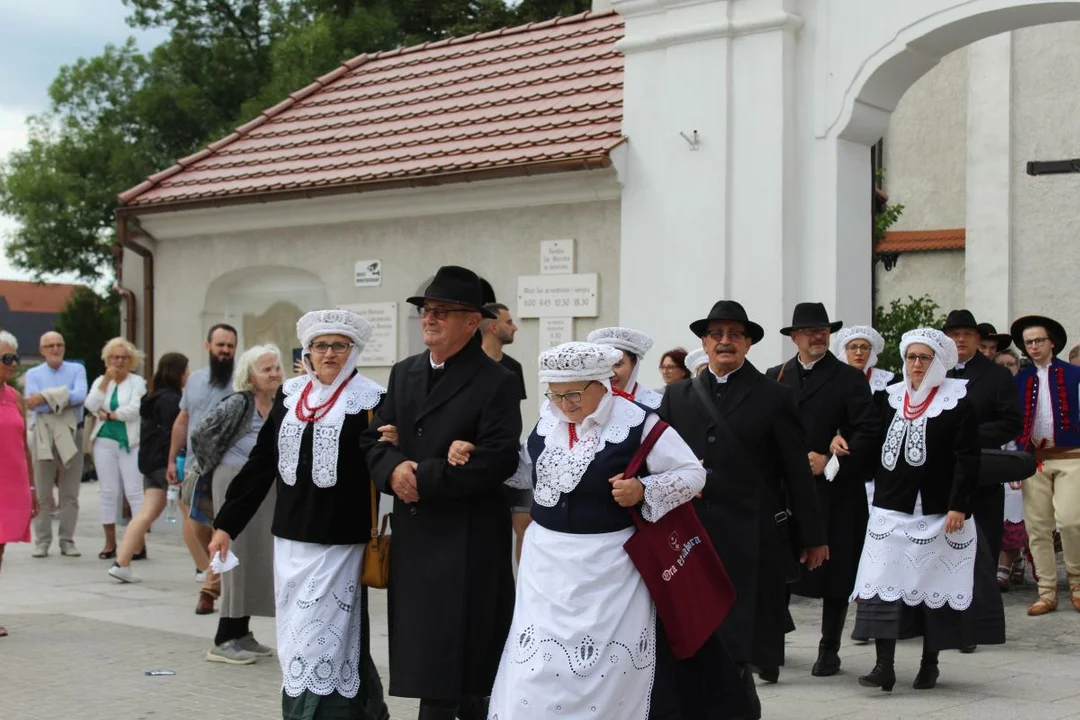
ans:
(125, 235)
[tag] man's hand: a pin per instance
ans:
(814, 557)
(219, 544)
(403, 482)
(460, 450)
(627, 492)
(817, 462)
(388, 434)
(839, 446)
(34, 400)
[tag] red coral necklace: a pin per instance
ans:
(912, 412)
(305, 413)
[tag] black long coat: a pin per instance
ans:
(451, 579)
(743, 487)
(836, 398)
(991, 391)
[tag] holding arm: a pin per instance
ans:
(863, 429)
(798, 483)
(129, 410)
(966, 456)
(95, 399)
(677, 476)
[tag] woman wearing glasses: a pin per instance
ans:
(308, 450)
(114, 399)
(919, 573)
(18, 502)
(583, 639)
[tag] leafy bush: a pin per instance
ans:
(898, 319)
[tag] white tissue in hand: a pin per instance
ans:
(223, 566)
(831, 468)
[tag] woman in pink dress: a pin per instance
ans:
(18, 503)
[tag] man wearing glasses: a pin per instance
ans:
(1051, 430)
(451, 570)
(55, 391)
(746, 430)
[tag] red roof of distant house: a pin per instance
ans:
(922, 240)
(538, 98)
(23, 296)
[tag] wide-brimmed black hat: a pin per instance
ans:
(810, 315)
(728, 310)
(960, 319)
(1053, 329)
(455, 285)
(989, 332)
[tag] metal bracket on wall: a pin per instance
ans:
(1053, 167)
(692, 140)
(888, 259)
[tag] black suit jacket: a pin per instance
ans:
(451, 578)
(991, 391)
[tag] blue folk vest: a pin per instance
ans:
(1064, 383)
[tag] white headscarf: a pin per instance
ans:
(858, 332)
(627, 340)
(694, 360)
(944, 358)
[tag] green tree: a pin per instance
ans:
(900, 317)
(87, 322)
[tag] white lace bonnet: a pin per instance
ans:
(857, 332)
(633, 341)
(333, 322)
(942, 345)
(574, 361)
(695, 359)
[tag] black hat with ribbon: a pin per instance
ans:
(1053, 328)
(811, 315)
(457, 285)
(728, 310)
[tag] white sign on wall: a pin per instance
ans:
(556, 257)
(557, 296)
(555, 331)
(381, 349)
(369, 273)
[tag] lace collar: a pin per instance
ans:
(560, 467)
(880, 379)
(360, 394)
(647, 396)
(908, 437)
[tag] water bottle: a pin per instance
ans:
(172, 510)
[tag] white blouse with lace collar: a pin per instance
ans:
(909, 436)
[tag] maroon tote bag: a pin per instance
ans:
(677, 560)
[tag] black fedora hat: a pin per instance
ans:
(989, 332)
(455, 285)
(810, 315)
(960, 319)
(728, 310)
(1053, 328)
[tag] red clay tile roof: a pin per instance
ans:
(23, 296)
(921, 240)
(541, 97)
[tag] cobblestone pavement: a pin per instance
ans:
(80, 643)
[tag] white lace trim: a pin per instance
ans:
(360, 394)
(560, 468)
(880, 379)
(647, 397)
(664, 492)
(908, 437)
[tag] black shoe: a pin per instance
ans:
(436, 712)
(880, 677)
(769, 675)
(927, 677)
(968, 649)
(828, 663)
(141, 555)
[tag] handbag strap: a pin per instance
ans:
(374, 492)
(637, 462)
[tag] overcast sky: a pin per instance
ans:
(37, 37)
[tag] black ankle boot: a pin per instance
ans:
(882, 676)
(828, 661)
(928, 672)
(833, 615)
(436, 711)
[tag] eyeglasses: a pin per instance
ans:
(439, 313)
(321, 348)
(573, 396)
(858, 348)
(919, 359)
(732, 335)
(53, 346)
(9, 359)
(1036, 342)
(114, 358)
(669, 368)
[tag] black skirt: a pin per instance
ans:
(982, 623)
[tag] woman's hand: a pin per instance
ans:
(103, 416)
(839, 446)
(460, 451)
(954, 521)
(627, 492)
(219, 544)
(388, 434)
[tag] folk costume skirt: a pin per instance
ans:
(582, 641)
(915, 580)
(248, 590)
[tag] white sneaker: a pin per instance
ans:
(123, 574)
(200, 576)
(40, 552)
(230, 652)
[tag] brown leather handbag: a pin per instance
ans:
(376, 571)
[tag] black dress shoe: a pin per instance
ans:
(769, 675)
(436, 712)
(141, 555)
(883, 677)
(968, 649)
(828, 663)
(927, 677)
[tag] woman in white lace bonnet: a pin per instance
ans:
(918, 573)
(309, 450)
(696, 361)
(634, 344)
(582, 643)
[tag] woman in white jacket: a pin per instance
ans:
(114, 401)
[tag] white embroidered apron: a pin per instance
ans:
(317, 592)
(582, 640)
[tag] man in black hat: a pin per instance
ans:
(746, 429)
(451, 579)
(832, 397)
(1050, 402)
(992, 393)
(991, 342)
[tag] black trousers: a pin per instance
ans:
(988, 509)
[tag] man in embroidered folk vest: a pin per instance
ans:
(451, 575)
(833, 397)
(1051, 429)
(746, 430)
